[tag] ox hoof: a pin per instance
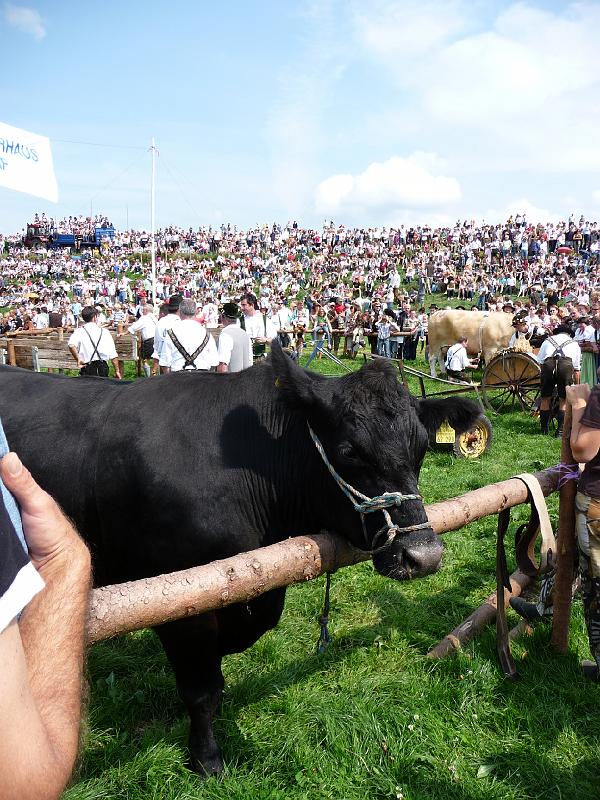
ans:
(206, 761)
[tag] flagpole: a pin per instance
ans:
(152, 210)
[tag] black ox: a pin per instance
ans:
(168, 473)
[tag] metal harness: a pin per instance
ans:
(369, 504)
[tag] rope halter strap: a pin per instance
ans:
(369, 504)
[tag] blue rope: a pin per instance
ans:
(369, 504)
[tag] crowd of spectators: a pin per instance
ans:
(348, 284)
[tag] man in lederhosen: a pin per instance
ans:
(560, 361)
(188, 345)
(93, 347)
(146, 327)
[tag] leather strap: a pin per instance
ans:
(503, 582)
(526, 535)
(525, 539)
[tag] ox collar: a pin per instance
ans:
(369, 504)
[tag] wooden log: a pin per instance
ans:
(565, 548)
(137, 604)
(483, 616)
(449, 515)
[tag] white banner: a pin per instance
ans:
(26, 163)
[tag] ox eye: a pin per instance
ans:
(348, 452)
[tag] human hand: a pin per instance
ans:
(578, 394)
(49, 534)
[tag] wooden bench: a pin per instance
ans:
(48, 353)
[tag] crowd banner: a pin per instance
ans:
(26, 163)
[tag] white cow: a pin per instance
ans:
(488, 332)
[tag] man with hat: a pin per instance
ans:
(560, 360)
(521, 327)
(146, 327)
(234, 351)
(93, 347)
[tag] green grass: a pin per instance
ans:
(372, 717)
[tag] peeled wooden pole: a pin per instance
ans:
(565, 548)
(139, 604)
(483, 616)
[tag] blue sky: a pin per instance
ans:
(374, 112)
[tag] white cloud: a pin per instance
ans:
(24, 19)
(398, 183)
(410, 28)
(596, 197)
(518, 91)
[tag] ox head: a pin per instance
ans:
(375, 435)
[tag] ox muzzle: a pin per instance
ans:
(412, 554)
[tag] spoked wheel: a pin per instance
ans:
(511, 381)
(474, 442)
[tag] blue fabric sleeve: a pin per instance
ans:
(9, 501)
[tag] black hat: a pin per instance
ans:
(231, 310)
(175, 302)
(519, 317)
(563, 328)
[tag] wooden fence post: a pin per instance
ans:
(12, 357)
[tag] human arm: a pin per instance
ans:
(117, 366)
(224, 350)
(42, 655)
(585, 441)
(75, 355)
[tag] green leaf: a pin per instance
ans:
(485, 770)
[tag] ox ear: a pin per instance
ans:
(457, 411)
(300, 389)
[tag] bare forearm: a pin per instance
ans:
(52, 633)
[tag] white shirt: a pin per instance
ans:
(257, 328)
(226, 344)
(281, 319)
(570, 350)
(191, 334)
(162, 326)
(146, 325)
(85, 348)
(457, 358)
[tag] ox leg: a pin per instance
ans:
(241, 625)
(432, 359)
(192, 648)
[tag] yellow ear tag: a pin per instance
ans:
(277, 382)
(445, 434)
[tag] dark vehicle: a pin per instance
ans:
(44, 235)
(38, 233)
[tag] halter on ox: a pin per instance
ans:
(369, 504)
(379, 503)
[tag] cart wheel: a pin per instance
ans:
(511, 381)
(474, 442)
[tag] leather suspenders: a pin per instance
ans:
(188, 359)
